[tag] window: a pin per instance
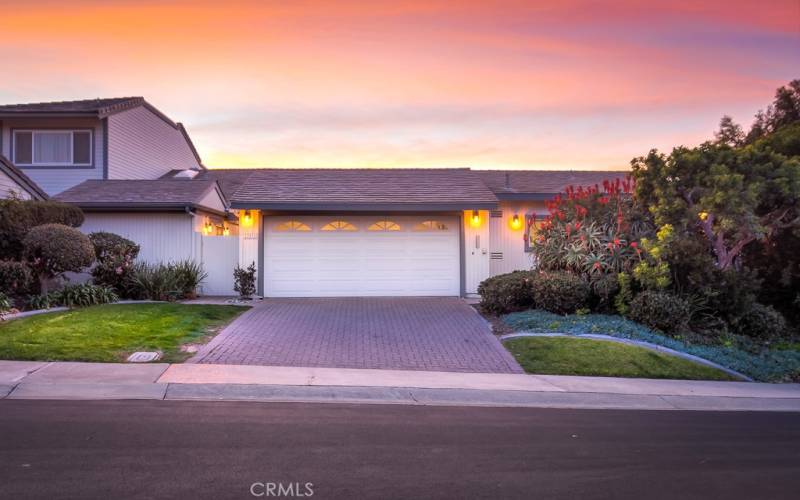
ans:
(431, 225)
(53, 148)
(384, 225)
(339, 225)
(292, 225)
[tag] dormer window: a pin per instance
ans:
(53, 148)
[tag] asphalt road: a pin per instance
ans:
(163, 449)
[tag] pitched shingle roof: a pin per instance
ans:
(138, 194)
(363, 189)
(545, 182)
(101, 107)
(21, 179)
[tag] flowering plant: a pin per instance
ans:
(595, 230)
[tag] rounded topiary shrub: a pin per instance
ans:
(15, 277)
(661, 311)
(560, 292)
(53, 249)
(761, 322)
(115, 257)
(506, 293)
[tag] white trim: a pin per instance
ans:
(71, 132)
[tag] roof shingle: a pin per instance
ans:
(543, 181)
(99, 106)
(363, 188)
(137, 193)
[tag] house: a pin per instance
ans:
(310, 232)
(15, 184)
(61, 144)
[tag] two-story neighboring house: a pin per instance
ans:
(61, 144)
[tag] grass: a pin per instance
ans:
(575, 356)
(111, 332)
(764, 365)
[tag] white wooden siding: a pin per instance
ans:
(163, 237)
(219, 255)
(248, 239)
(476, 251)
(506, 244)
(8, 186)
(170, 237)
(143, 146)
(57, 179)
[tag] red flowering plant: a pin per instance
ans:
(592, 230)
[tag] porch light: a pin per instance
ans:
(208, 228)
(247, 218)
(516, 223)
(476, 218)
(226, 231)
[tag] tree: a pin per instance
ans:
(54, 249)
(732, 196)
(784, 110)
(17, 217)
(733, 191)
(730, 132)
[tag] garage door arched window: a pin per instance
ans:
(292, 225)
(384, 225)
(338, 225)
(431, 225)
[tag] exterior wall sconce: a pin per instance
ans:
(516, 222)
(247, 218)
(475, 220)
(226, 231)
(208, 228)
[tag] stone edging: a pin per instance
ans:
(638, 343)
(58, 309)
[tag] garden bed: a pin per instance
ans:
(769, 365)
(109, 333)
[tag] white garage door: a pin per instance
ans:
(341, 256)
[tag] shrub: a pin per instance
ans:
(245, 280)
(761, 322)
(18, 217)
(661, 311)
(53, 249)
(604, 288)
(592, 230)
(43, 301)
(169, 281)
(507, 292)
(80, 295)
(560, 292)
(188, 276)
(115, 256)
(5, 304)
(83, 295)
(15, 277)
(153, 282)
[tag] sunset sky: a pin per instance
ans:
(571, 84)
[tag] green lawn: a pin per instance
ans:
(111, 332)
(575, 356)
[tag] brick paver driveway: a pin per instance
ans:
(438, 334)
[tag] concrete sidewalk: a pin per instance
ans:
(65, 380)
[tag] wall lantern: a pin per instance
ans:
(516, 222)
(475, 221)
(247, 218)
(208, 228)
(226, 231)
